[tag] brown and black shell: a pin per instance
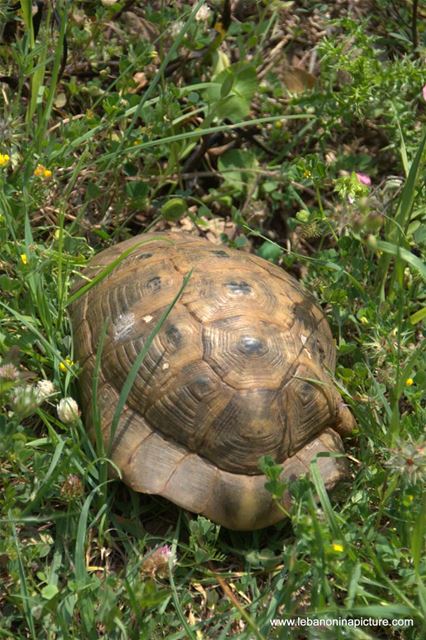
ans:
(240, 369)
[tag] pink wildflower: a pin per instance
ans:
(424, 93)
(363, 178)
(157, 563)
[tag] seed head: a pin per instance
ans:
(157, 563)
(44, 389)
(68, 411)
(8, 371)
(72, 487)
(25, 400)
(408, 460)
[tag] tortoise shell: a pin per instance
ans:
(239, 369)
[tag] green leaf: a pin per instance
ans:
(231, 92)
(227, 83)
(418, 316)
(232, 164)
(270, 251)
(245, 83)
(137, 189)
(7, 284)
(174, 209)
(49, 591)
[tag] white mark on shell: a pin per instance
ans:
(309, 353)
(123, 326)
(303, 338)
(147, 319)
(165, 366)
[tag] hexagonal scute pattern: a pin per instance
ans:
(237, 369)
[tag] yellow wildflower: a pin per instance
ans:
(65, 365)
(24, 258)
(409, 382)
(4, 159)
(41, 172)
(364, 320)
(337, 547)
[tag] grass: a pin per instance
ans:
(153, 119)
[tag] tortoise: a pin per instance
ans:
(241, 368)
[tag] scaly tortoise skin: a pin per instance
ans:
(240, 369)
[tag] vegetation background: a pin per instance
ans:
(292, 129)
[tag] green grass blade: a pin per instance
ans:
(403, 254)
(322, 492)
(418, 316)
(23, 583)
(45, 485)
(198, 133)
(175, 595)
(81, 574)
(395, 227)
(25, 320)
(403, 215)
(57, 61)
(353, 585)
(27, 15)
(96, 417)
(418, 537)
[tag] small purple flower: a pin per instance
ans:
(363, 178)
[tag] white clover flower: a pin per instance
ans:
(203, 14)
(44, 389)
(176, 28)
(8, 371)
(68, 411)
(25, 400)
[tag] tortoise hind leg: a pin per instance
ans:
(345, 422)
(242, 502)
